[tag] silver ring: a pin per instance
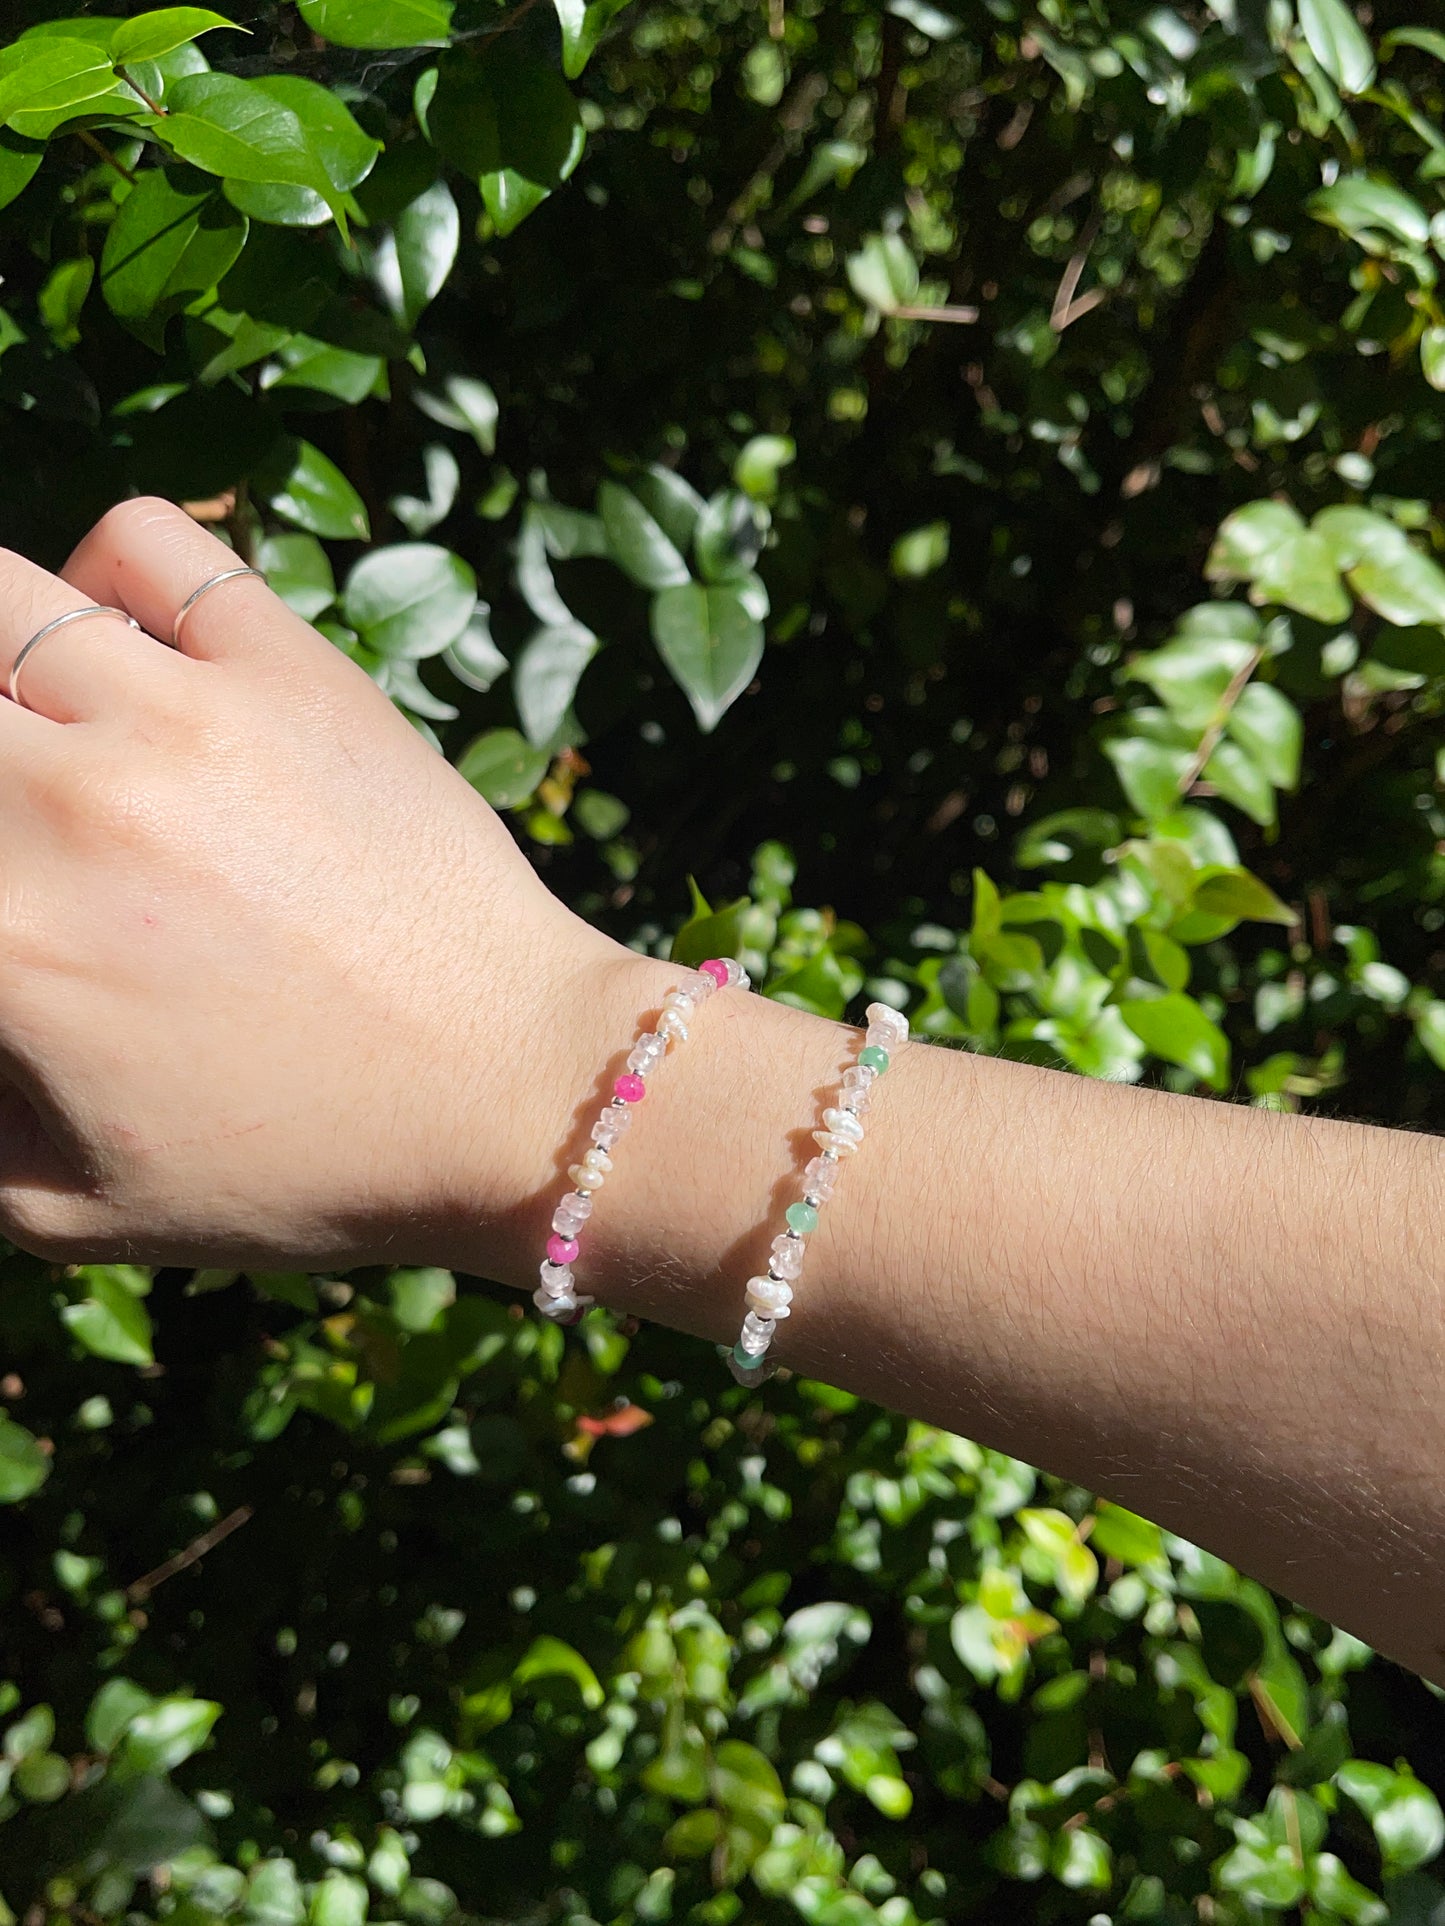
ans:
(226, 575)
(71, 615)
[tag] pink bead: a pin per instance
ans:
(562, 1250)
(716, 969)
(630, 1088)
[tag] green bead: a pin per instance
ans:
(802, 1218)
(874, 1057)
(744, 1360)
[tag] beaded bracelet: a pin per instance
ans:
(555, 1297)
(769, 1297)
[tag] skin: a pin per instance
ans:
(243, 1021)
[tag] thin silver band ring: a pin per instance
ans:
(71, 615)
(226, 575)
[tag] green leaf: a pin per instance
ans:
(920, 551)
(582, 27)
(424, 241)
(474, 657)
(110, 1321)
(1248, 536)
(150, 35)
(713, 933)
(165, 1734)
(49, 75)
(111, 1710)
(759, 463)
(62, 297)
(339, 1900)
(1243, 898)
(710, 643)
(1425, 38)
(1240, 780)
(304, 362)
(1432, 352)
(1149, 772)
(1301, 574)
(238, 129)
(1405, 1814)
(1371, 212)
(418, 514)
(307, 488)
(1338, 43)
(1430, 1029)
(545, 677)
(19, 161)
(299, 570)
(1175, 1028)
(24, 1467)
(636, 541)
(173, 239)
(380, 23)
(345, 151)
(883, 273)
(1124, 1535)
(1268, 726)
(503, 766)
(1403, 585)
(409, 600)
(511, 124)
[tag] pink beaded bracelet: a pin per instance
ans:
(555, 1296)
(770, 1298)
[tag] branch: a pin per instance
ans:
(1209, 741)
(198, 1547)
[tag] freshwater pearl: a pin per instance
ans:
(585, 1177)
(843, 1124)
(671, 1025)
(839, 1145)
(768, 1297)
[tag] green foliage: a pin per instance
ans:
(997, 452)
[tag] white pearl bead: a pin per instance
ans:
(586, 1178)
(831, 1140)
(844, 1124)
(768, 1297)
(671, 1026)
(563, 1304)
(891, 1024)
(597, 1159)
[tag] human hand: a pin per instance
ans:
(274, 980)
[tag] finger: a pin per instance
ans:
(96, 666)
(150, 557)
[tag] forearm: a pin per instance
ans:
(1226, 1319)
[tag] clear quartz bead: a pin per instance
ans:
(571, 1214)
(700, 986)
(612, 1124)
(830, 1140)
(647, 1053)
(843, 1124)
(859, 1076)
(757, 1333)
(738, 978)
(556, 1278)
(555, 1305)
(819, 1179)
(787, 1258)
(768, 1297)
(854, 1101)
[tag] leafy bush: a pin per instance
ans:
(971, 467)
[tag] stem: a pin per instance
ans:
(1209, 741)
(98, 147)
(136, 88)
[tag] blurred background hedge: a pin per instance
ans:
(959, 483)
